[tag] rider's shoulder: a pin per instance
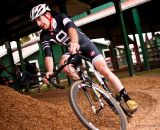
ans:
(44, 34)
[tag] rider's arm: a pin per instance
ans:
(74, 45)
(49, 64)
(72, 32)
(48, 53)
(70, 27)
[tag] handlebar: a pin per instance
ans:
(68, 61)
(52, 80)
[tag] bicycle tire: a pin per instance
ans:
(102, 119)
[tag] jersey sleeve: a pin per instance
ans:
(67, 22)
(45, 43)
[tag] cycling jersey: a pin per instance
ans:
(61, 24)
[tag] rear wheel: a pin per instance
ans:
(103, 114)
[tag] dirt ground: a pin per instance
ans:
(51, 110)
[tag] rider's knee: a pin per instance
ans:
(103, 68)
(71, 72)
(65, 69)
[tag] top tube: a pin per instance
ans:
(69, 61)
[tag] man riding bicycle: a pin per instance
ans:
(61, 29)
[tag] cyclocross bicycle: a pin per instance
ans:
(92, 101)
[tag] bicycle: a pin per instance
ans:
(106, 108)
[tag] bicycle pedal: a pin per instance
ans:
(124, 106)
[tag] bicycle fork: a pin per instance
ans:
(91, 102)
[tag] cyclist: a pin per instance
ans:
(61, 29)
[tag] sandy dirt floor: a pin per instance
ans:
(51, 110)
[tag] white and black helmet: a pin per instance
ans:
(38, 11)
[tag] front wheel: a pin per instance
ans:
(103, 114)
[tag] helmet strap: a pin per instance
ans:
(50, 20)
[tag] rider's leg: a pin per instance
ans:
(102, 67)
(69, 69)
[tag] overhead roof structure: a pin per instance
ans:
(109, 11)
(14, 16)
(15, 21)
(109, 24)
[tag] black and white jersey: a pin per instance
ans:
(61, 24)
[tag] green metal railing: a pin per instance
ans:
(94, 10)
(101, 7)
(84, 14)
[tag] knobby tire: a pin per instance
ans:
(109, 118)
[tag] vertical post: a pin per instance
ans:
(20, 54)
(113, 53)
(113, 56)
(125, 37)
(11, 60)
(7, 35)
(139, 31)
(155, 44)
(136, 49)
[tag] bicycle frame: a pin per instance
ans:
(91, 69)
(99, 77)
(87, 85)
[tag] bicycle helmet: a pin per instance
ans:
(38, 11)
